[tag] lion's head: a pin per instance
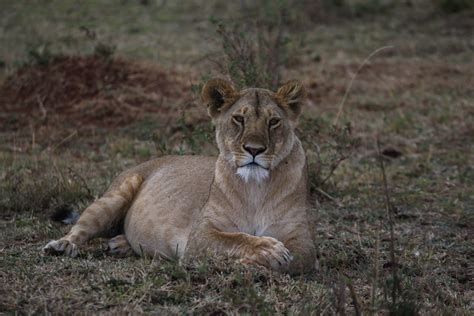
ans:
(254, 127)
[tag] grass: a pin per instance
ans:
(416, 99)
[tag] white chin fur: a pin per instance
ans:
(252, 173)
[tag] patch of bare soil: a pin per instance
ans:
(80, 91)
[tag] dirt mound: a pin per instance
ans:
(87, 90)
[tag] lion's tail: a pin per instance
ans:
(66, 215)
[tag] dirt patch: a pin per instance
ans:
(88, 91)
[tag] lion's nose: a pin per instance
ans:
(254, 150)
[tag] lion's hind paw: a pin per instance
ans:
(119, 246)
(60, 247)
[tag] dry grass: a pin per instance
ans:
(416, 100)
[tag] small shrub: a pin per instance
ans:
(454, 6)
(256, 49)
(184, 137)
(327, 147)
(371, 7)
(104, 50)
(41, 55)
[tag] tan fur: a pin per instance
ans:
(249, 203)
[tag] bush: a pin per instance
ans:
(454, 6)
(334, 145)
(255, 48)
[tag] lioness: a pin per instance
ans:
(250, 203)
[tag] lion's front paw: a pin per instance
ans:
(61, 246)
(269, 252)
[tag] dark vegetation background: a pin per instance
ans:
(89, 89)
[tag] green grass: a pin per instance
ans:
(416, 99)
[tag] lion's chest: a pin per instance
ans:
(255, 213)
(254, 226)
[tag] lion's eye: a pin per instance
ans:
(274, 122)
(238, 119)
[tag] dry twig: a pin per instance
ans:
(349, 87)
(390, 212)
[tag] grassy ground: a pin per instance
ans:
(416, 98)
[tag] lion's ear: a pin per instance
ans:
(292, 96)
(217, 93)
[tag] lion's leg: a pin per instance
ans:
(248, 249)
(98, 217)
(298, 239)
(119, 246)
